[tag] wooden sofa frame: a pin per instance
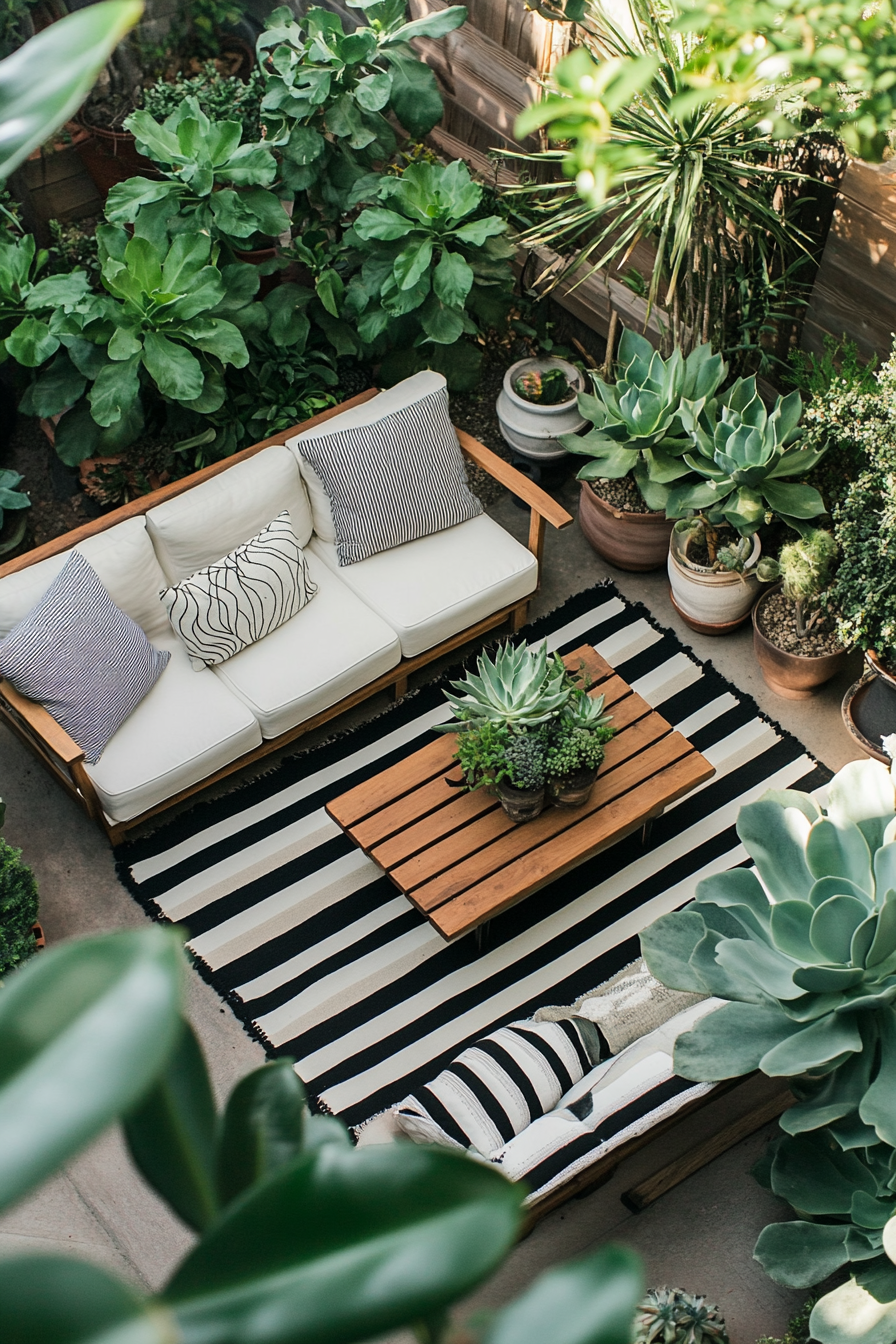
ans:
(64, 758)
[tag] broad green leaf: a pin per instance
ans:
(84, 1029)
(60, 1300)
(452, 279)
(330, 289)
(124, 344)
(815, 1045)
(839, 849)
(730, 1041)
(850, 1315)
(375, 222)
(775, 838)
(833, 925)
(476, 232)
(116, 386)
(344, 1244)
(77, 435)
(587, 1301)
(412, 263)
(176, 372)
(667, 945)
(57, 388)
(878, 1106)
(127, 198)
(796, 501)
(215, 337)
(862, 791)
(817, 1178)
(58, 291)
(31, 343)
(800, 1254)
(142, 261)
(48, 78)
(415, 97)
(171, 1134)
(263, 1128)
(372, 92)
(758, 965)
(442, 325)
(431, 25)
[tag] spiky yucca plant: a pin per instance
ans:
(672, 1316)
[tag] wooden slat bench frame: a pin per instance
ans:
(64, 759)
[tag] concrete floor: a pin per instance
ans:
(699, 1236)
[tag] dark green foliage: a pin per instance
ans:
(797, 1331)
(839, 367)
(480, 752)
(221, 97)
(18, 908)
(575, 749)
(524, 756)
(545, 389)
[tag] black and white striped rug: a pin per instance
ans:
(323, 960)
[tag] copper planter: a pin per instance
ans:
(795, 676)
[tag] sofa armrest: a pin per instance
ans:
(42, 725)
(542, 508)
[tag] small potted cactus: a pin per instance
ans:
(537, 403)
(794, 633)
(672, 1316)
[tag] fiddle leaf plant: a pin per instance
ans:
(212, 182)
(637, 421)
(329, 92)
(31, 308)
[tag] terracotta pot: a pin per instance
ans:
(869, 708)
(521, 804)
(710, 602)
(572, 790)
(111, 157)
(88, 466)
(632, 541)
(39, 936)
(795, 676)
(532, 429)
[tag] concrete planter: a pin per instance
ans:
(710, 602)
(531, 429)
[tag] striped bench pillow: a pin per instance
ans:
(498, 1086)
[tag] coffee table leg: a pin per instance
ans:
(646, 830)
(481, 932)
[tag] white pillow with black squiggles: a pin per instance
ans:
(242, 597)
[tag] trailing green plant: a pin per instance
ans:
(672, 1316)
(546, 388)
(805, 567)
(220, 96)
(18, 908)
(432, 271)
(803, 950)
(638, 424)
(797, 1331)
(301, 1236)
(329, 93)
(211, 183)
(519, 687)
(745, 456)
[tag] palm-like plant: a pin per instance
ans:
(692, 174)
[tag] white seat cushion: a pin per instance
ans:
(123, 560)
(189, 726)
(332, 647)
(429, 589)
(203, 524)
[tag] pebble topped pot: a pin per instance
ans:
(634, 541)
(532, 429)
(795, 676)
(710, 602)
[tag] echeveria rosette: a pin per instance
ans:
(745, 455)
(520, 687)
(637, 420)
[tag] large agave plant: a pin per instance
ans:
(744, 455)
(520, 686)
(637, 420)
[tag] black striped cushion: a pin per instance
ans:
(497, 1087)
(82, 658)
(233, 603)
(400, 478)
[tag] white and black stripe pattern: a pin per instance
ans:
(241, 598)
(326, 962)
(392, 481)
(497, 1087)
(82, 657)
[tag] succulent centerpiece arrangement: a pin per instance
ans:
(526, 729)
(672, 1316)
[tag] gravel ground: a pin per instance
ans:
(777, 621)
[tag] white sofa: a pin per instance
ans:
(368, 626)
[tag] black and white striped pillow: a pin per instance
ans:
(82, 658)
(497, 1087)
(233, 603)
(392, 481)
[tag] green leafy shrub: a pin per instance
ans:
(18, 908)
(221, 97)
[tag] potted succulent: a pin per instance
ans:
(743, 457)
(637, 445)
(672, 1316)
(794, 635)
(525, 727)
(538, 402)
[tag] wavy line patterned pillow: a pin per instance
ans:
(222, 609)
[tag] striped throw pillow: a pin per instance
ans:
(497, 1087)
(82, 658)
(395, 480)
(233, 603)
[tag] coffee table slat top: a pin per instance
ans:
(458, 857)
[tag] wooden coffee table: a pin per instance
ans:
(457, 856)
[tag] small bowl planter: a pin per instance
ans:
(712, 602)
(531, 429)
(521, 804)
(795, 676)
(571, 790)
(869, 708)
(637, 542)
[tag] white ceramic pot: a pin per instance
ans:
(531, 429)
(711, 602)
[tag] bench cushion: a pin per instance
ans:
(332, 647)
(189, 726)
(123, 560)
(203, 524)
(430, 589)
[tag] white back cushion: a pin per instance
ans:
(394, 398)
(200, 526)
(123, 560)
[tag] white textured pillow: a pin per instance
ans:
(242, 597)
